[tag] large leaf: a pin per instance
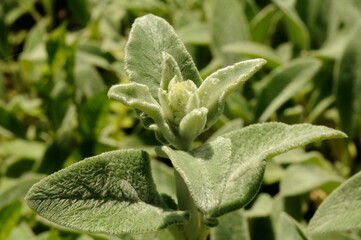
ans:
(225, 174)
(111, 193)
(341, 211)
(348, 84)
(149, 38)
(282, 84)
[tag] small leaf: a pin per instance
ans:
(136, 95)
(289, 230)
(296, 29)
(252, 49)
(232, 226)
(264, 23)
(9, 217)
(282, 84)
(225, 174)
(348, 83)
(170, 69)
(149, 38)
(195, 33)
(218, 85)
(17, 190)
(341, 210)
(304, 177)
(112, 193)
(192, 125)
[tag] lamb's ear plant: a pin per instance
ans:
(114, 192)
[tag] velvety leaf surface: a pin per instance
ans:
(225, 174)
(221, 83)
(149, 38)
(348, 83)
(341, 210)
(111, 193)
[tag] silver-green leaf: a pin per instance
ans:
(110, 193)
(149, 38)
(225, 174)
(218, 85)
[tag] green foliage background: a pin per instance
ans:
(59, 58)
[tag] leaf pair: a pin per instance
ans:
(115, 193)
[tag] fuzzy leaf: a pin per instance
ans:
(218, 85)
(225, 174)
(341, 210)
(170, 69)
(192, 125)
(112, 193)
(136, 95)
(149, 38)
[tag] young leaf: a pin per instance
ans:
(149, 38)
(341, 210)
(112, 193)
(282, 84)
(218, 85)
(348, 83)
(225, 174)
(136, 95)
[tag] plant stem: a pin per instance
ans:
(195, 228)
